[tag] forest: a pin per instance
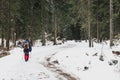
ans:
(59, 39)
(92, 20)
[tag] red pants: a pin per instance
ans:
(26, 57)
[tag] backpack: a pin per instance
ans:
(27, 43)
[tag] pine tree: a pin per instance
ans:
(111, 23)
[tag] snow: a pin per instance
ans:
(55, 62)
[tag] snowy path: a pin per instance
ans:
(60, 62)
(60, 73)
(13, 67)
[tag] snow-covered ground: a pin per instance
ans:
(69, 61)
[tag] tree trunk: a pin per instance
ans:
(86, 34)
(111, 23)
(14, 40)
(89, 22)
(2, 22)
(31, 21)
(54, 22)
(9, 27)
(98, 40)
(13, 36)
(43, 23)
(2, 42)
(43, 37)
(55, 30)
